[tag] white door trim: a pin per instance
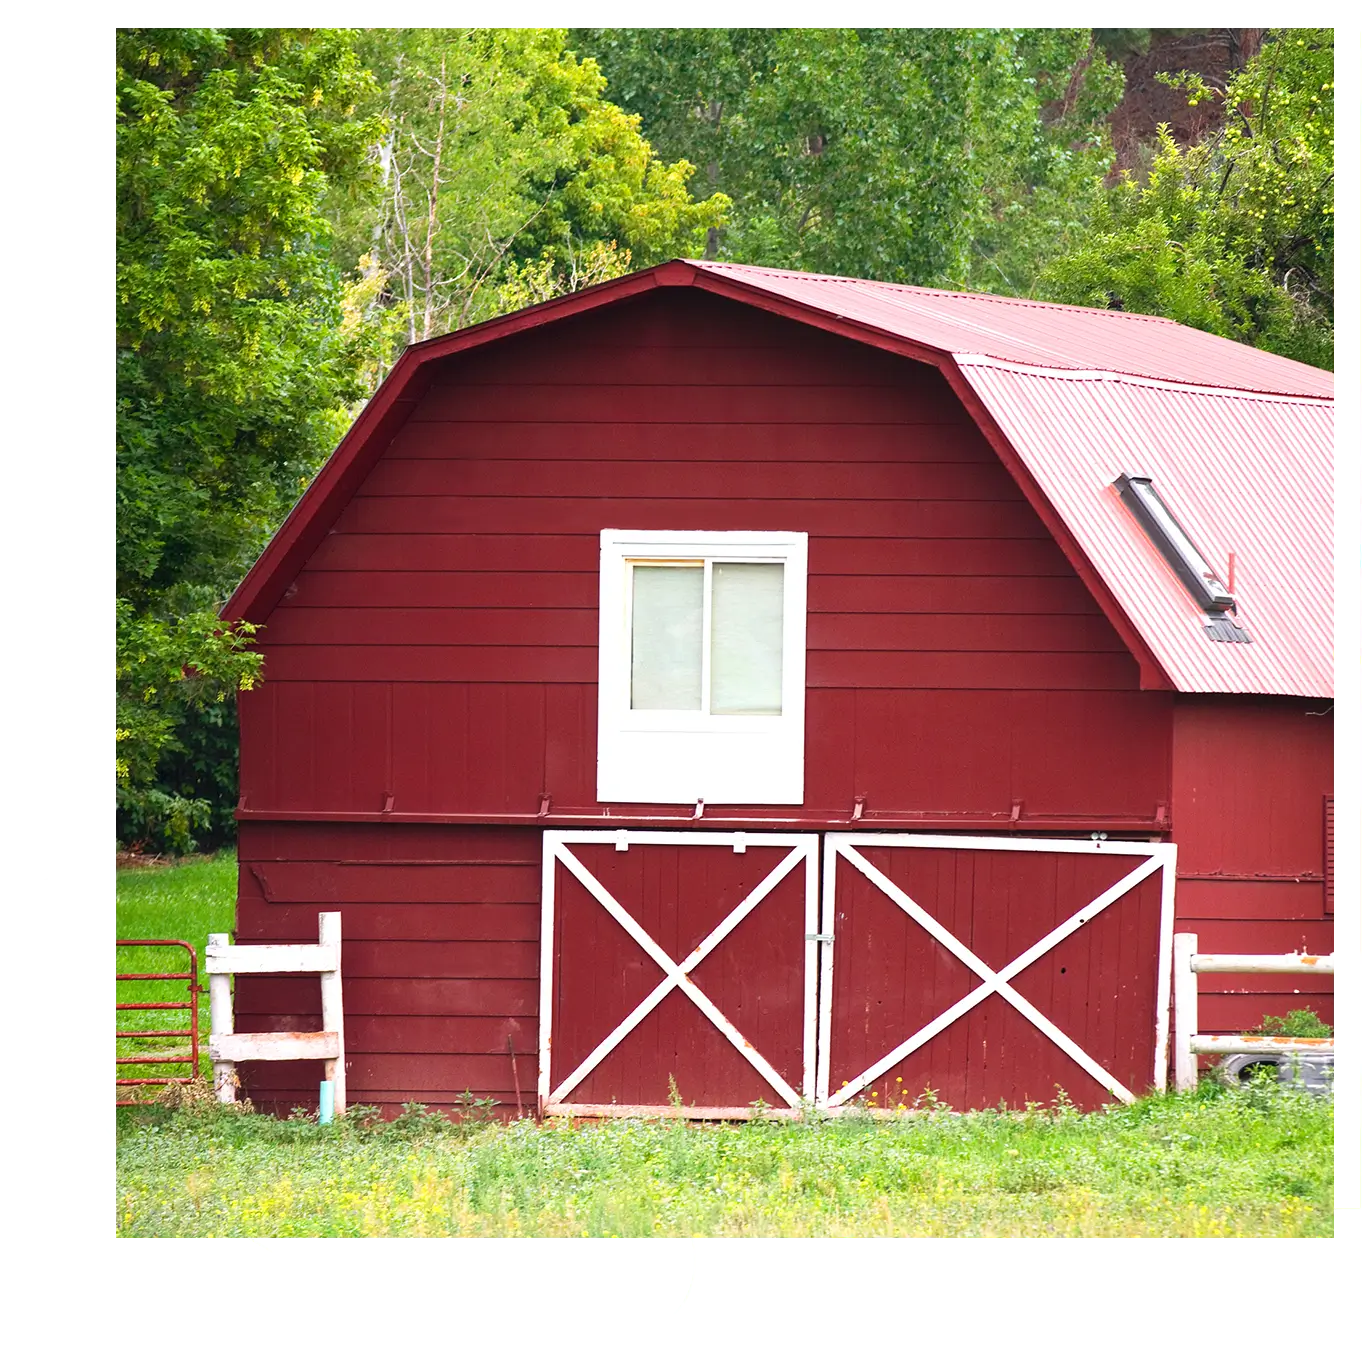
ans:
(802, 849)
(1158, 857)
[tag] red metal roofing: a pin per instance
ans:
(1238, 442)
(1058, 336)
(1243, 473)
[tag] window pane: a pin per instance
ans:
(748, 628)
(668, 608)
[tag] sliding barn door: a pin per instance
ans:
(988, 970)
(679, 970)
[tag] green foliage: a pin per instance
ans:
(234, 372)
(170, 671)
(1233, 235)
(927, 156)
(1302, 1023)
(509, 178)
(1210, 1163)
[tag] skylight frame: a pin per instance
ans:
(1166, 532)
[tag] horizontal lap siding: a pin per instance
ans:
(438, 652)
(557, 554)
(406, 515)
(1249, 780)
(440, 942)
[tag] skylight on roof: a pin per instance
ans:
(1172, 540)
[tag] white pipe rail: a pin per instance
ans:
(227, 1048)
(1187, 1043)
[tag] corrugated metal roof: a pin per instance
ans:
(1244, 474)
(1238, 442)
(1057, 336)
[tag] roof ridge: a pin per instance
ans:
(1088, 374)
(1014, 300)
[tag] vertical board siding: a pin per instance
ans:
(755, 976)
(437, 654)
(892, 978)
(1250, 779)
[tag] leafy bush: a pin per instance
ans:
(1301, 1023)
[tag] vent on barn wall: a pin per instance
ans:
(1187, 560)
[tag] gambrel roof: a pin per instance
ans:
(1238, 443)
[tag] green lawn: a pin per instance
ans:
(1216, 1163)
(185, 902)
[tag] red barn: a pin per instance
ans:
(726, 685)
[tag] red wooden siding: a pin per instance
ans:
(437, 655)
(441, 956)
(1250, 776)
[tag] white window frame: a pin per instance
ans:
(680, 757)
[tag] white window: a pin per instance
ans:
(702, 667)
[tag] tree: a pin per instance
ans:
(234, 374)
(1233, 235)
(508, 178)
(927, 156)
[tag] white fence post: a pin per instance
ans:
(1184, 1011)
(226, 1048)
(220, 1019)
(333, 1015)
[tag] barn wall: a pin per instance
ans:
(440, 930)
(1250, 776)
(437, 655)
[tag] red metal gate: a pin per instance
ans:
(989, 970)
(679, 972)
(190, 1053)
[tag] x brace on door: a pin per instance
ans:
(1159, 856)
(803, 849)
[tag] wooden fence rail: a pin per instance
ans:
(1188, 1044)
(226, 1048)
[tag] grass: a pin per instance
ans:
(181, 901)
(1212, 1163)
(1216, 1162)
